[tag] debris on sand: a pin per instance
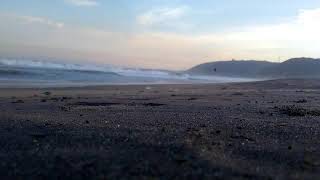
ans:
(63, 108)
(54, 99)
(47, 93)
(95, 104)
(301, 101)
(38, 135)
(65, 98)
(192, 99)
(18, 101)
(238, 94)
(241, 137)
(153, 104)
(293, 110)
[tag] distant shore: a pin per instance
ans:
(253, 130)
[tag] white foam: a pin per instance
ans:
(127, 72)
(130, 72)
(46, 64)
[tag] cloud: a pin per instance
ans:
(297, 36)
(40, 20)
(161, 15)
(302, 27)
(83, 2)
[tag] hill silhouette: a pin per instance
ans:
(292, 68)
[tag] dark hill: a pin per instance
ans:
(292, 68)
(231, 68)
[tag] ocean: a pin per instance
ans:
(35, 73)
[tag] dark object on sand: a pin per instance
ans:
(47, 93)
(299, 111)
(66, 98)
(18, 101)
(153, 104)
(192, 99)
(302, 101)
(94, 104)
(293, 111)
(238, 94)
(38, 135)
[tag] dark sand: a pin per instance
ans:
(262, 130)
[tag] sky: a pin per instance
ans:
(159, 34)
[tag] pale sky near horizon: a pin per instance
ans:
(170, 34)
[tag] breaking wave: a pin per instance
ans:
(13, 70)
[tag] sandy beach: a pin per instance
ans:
(257, 130)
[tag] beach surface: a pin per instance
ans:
(257, 130)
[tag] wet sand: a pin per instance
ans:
(260, 130)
